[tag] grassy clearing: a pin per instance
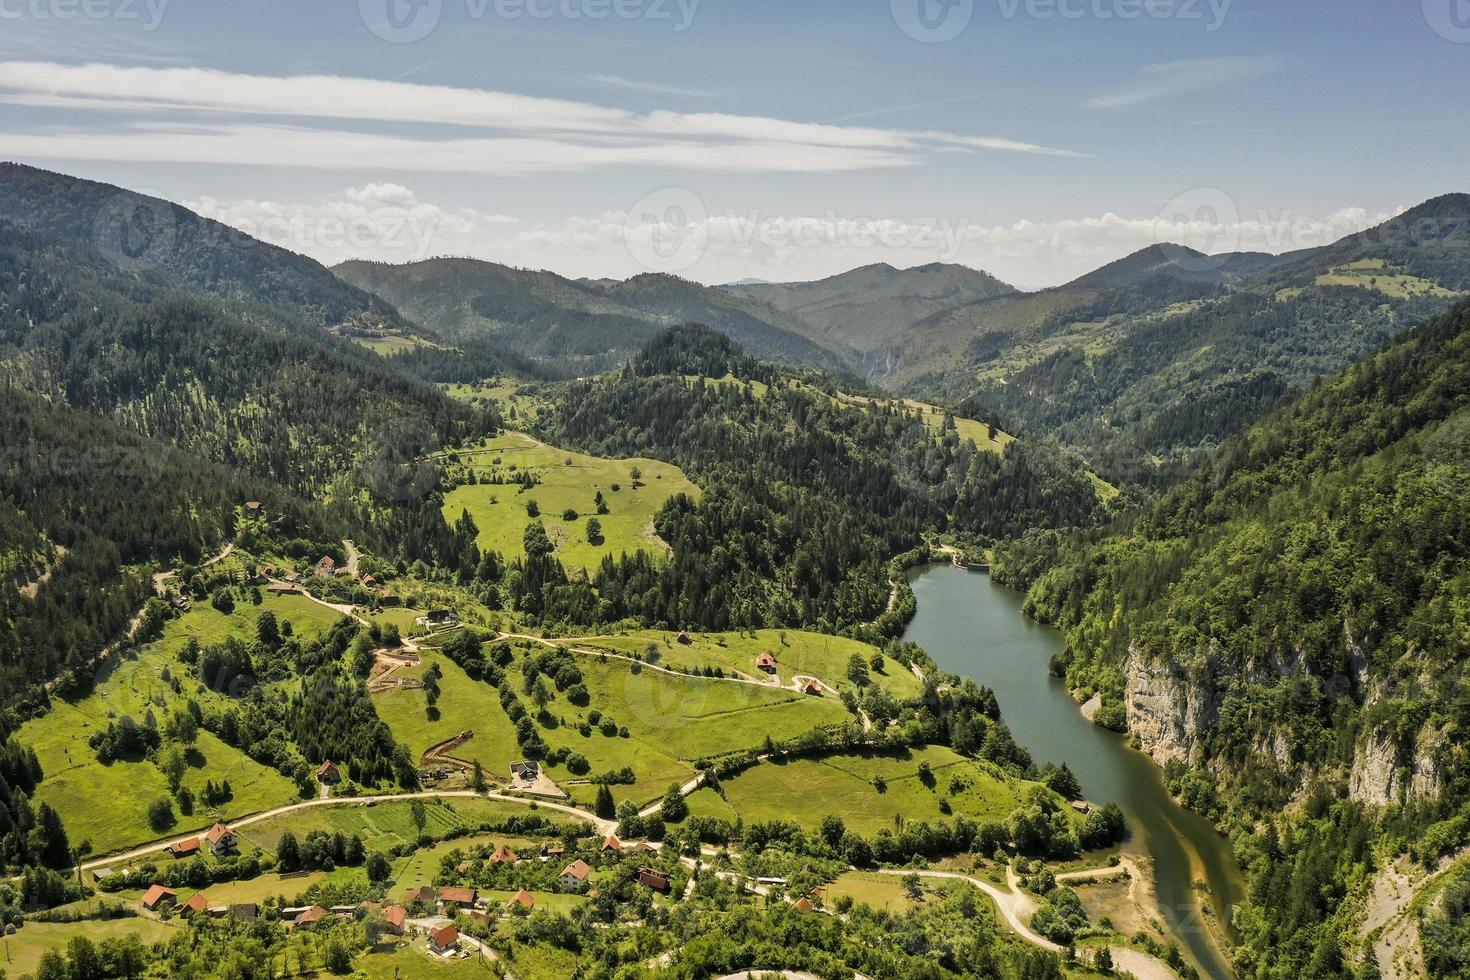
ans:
(516, 403)
(708, 803)
(422, 866)
(410, 961)
(566, 480)
(542, 962)
(107, 804)
(796, 653)
(806, 790)
(674, 721)
(1378, 275)
(385, 825)
(25, 948)
(877, 891)
(388, 346)
(259, 890)
(464, 705)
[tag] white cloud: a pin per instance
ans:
(1172, 78)
(652, 88)
(529, 132)
(388, 222)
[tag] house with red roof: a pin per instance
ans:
(766, 662)
(612, 844)
(462, 897)
(503, 855)
(311, 916)
(223, 840)
(655, 880)
(159, 896)
(574, 874)
(396, 917)
(521, 899)
(184, 848)
(444, 940)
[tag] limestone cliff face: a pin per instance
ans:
(1172, 704)
(1168, 707)
(1384, 771)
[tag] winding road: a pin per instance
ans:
(603, 827)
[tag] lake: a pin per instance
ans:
(975, 628)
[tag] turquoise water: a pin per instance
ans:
(975, 628)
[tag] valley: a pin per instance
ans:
(624, 627)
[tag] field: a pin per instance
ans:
(796, 653)
(25, 949)
(388, 346)
(514, 401)
(1377, 274)
(107, 804)
(464, 705)
(423, 865)
(878, 891)
(566, 480)
(806, 790)
(411, 962)
(708, 803)
(673, 721)
(385, 825)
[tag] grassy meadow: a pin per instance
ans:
(797, 653)
(107, 804)
(464, 705)
(674, 721)
(806, 790)
(565, 480)
(32, 941)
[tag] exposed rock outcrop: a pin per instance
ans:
(1168, 707)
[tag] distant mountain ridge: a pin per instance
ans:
(869, 308)
(581, 326)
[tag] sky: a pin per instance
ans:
(770, 139)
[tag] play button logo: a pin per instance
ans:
(401, 21)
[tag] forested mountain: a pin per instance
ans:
(254, 403)
(1147, 364)
(577, 328)
(1290, 630)
(869, 308)
(86, 507)
(806, 497)
(167, 245)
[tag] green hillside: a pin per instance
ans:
(1306, 597)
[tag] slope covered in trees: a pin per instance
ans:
(1290, 630)
(805, 499)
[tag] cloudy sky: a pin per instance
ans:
(774, 139)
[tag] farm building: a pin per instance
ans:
(159, 896)
(223, 840)
(655, 880)
(444, 940)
